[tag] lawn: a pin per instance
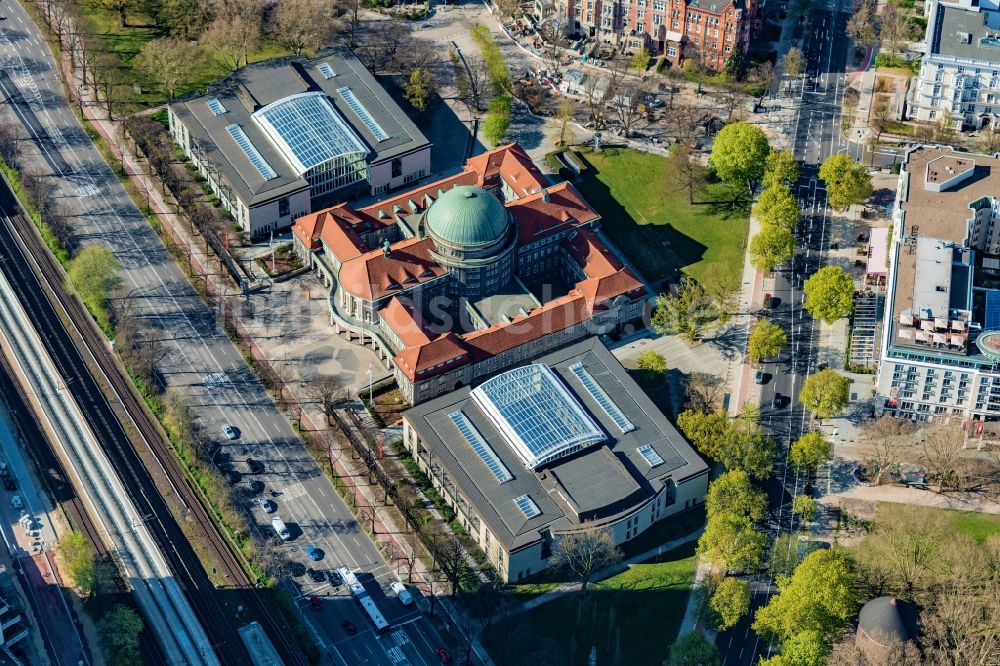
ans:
(656, 227)
(979, 526)
(141, 28)
(631, 618)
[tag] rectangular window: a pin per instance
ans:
(283, 207)
(397, 168)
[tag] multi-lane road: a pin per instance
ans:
(815, 135)
(200, 361)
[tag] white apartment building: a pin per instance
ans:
(960, 71)
(940, 355)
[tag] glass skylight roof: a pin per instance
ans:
(528, 507)
(216, 107)
(308, 130)
(327, 71)
(363, 113)
(650, 454)
(602, 398)
(480, 446)
(256, 159)
(536, 414)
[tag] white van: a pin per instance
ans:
(402, 593)
(279, 528)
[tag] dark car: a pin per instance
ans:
(232, 476)
(256, 466)
(255, 487)
(336, 579)
(315, 602)
(443, 655)
(777, 400)
(348, 627)
(316, 575)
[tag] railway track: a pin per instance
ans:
(173, 542)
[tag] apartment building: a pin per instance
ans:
(960, 71)
(706, 30)
(940, 355)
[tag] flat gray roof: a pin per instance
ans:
(958, 31)
(597, 484)
(352, 91)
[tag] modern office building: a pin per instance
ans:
(709, 31)
(470, 275)
(940, 356)
(960, 70)
(280, 138)
(566, 443)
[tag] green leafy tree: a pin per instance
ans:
(805, 506)
(818, 597)
(640, 60)
(184, 18)
(653, 362)
(119, 629)
(732, 542)
(847, 182)
(777, 205)
(750, 449)
(686, 311)
(767, 339)
(806, 648)
(78, 556)
(792, 64)
(780, 168)
(693, 649)
(739, 154)
(121, 8)
(736, 66)
(730, 600)
(787, 552)
(418, 88)
(497, 120)
(771, 246)
(705, 430)
(829, 294)
(733, 493)
(810, 450)
(825, 393)
(93, 273)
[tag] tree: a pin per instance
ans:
(301, 24)
(766, 340)
(693, 649)
(941, 455)
(771, 246)
(706, 431)
(861, 27)
(809, 451)
(93, 273)
(730, 600)
(565, 118)
(879, 118)
(780, 168)
(418, 88)
(739, 154)
(793, 64)
(119, 629)
(585, 553)
(911, 541)
(683, 172)
(184, 18)
(847, 182)
(78, 556)
(989, 140)
(10, 144)
(121, 8)
(472, 80)
(626, 104)
(750, 449)
(686, 311)
(825, 393)
(806, 648)
(829, 294)
(892, 26)
(885, 442)
(762, 78)
(732, 542)
(640, 60)
(736, 66)
(235, 32)
(733, 493)
(39, 189)
(805, 506)
(777, 205)
(110, 77)
(818, 597)
(166, 62)
(704, 392)
(497, 120)
(787, 552)
(653, 362)
(450, 558)
(328, 392)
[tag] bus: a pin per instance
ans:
(360, 595)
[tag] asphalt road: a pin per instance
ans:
(816, 136)
(195, 346)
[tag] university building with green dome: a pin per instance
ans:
(465, 277)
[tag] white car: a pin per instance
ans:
(402, 593)
(16, 502)
(266, 504)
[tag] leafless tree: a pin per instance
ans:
(485, 602)
(880, 115)
(731, 98)
(682, 123)
(380, 49)
(683, 172)
(472, 80)
(10, 144)
(235, 32)
(846, 652)
(885, 443)
(586, 553)
(352, 11)
(704, 392)
(111, 79)
(941, 455)
(57, 219)
(451, 560)
(38, 189)
(593, 94)
(328, 392)
(301, 24)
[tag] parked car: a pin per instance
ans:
(348, 627)
(230, 432)
(314, 553)
(256, 466)
(315, 575)
(759, 377)
(316, 602)
(442, 655)
(232, 476)
(255, 487)
(402, 593)
(266, 504)
(335, 578)
(777, 400)
(16, 502)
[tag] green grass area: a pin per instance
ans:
(631, 618)
(653, 223)
(142, 28)
(979, 526)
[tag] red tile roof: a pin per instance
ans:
(446, 350)
(511, 163)
(592, 254)
(554, 316)
(373, 275)
(398, 315)
(555, 209)
(403, 200)
(600, 290)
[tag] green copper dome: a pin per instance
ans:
(467, 216)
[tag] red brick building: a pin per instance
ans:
(706, 30)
